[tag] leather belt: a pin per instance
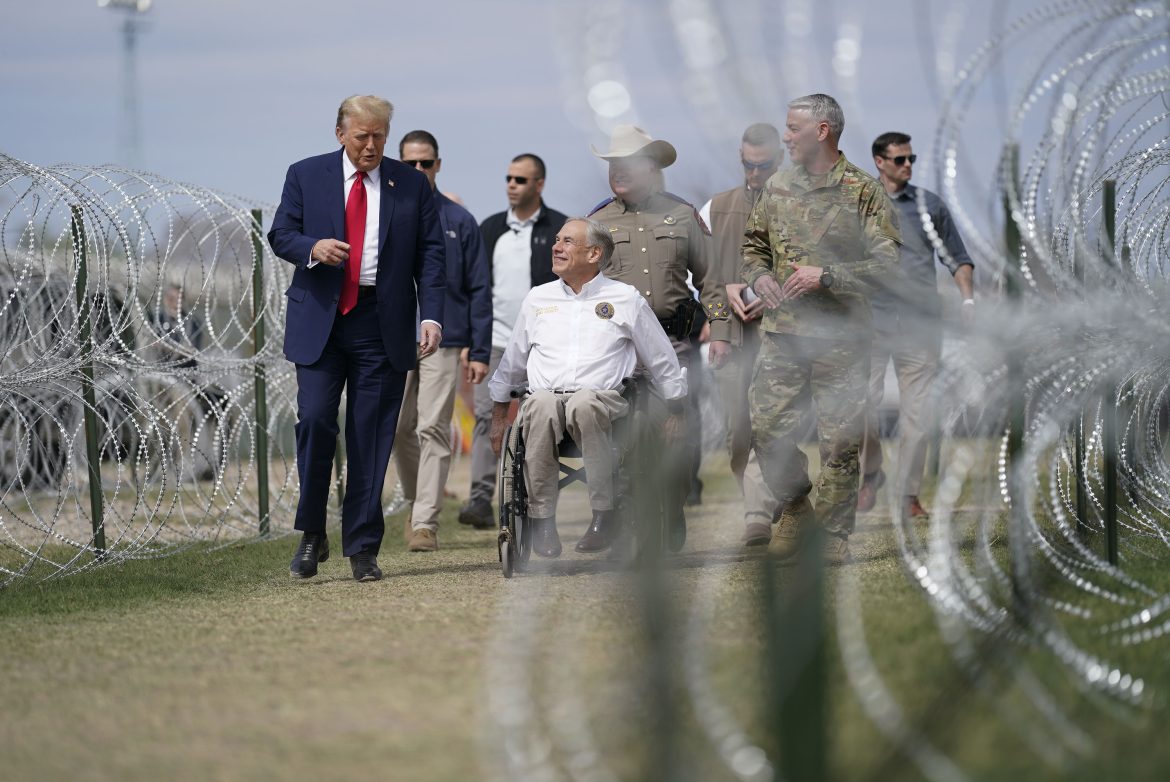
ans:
(366, 290)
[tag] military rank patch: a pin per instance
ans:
(669, 219)
(604, 310)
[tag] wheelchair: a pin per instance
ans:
(633, 444)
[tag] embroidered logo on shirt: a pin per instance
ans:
(604, 310)
(545, 310)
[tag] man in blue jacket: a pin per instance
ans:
(423, 454)
(362, 231)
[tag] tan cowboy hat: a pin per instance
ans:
(630, 140)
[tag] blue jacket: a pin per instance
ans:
(410, 254)
(467, 311)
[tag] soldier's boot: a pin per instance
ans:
(836, 550)
(795, 521)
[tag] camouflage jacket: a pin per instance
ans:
(842, 219)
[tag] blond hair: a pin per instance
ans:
(368, 106)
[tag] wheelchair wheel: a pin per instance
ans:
(515, 538)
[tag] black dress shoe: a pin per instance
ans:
(314, 548)
(676, 534)
(545, 540)
(601, 533)
(365, 566)
(695, 494)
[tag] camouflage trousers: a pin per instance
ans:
(833, 375)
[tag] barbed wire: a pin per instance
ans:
(165, 271)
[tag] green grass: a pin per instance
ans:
(214, 664)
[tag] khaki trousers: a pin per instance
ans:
(916, 365)
(588, 417)
(422, 443)
(483, 459)
(734, 379)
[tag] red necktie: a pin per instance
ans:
(355, 237)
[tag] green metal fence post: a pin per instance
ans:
(261, 382)
(89, 403)
(1109, 402)
(1014, 291)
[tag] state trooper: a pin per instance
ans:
(659, 238)
(823, 237)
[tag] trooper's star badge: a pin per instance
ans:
(604, 310)
(669, 219)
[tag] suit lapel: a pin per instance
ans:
(386, 212)
(333, 172)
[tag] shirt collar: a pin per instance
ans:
(905, 193)
(516, 223)
(586, 289)
(806, 181)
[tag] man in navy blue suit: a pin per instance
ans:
(363, 233)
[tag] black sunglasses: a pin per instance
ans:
(757, 166)
(900, 159)
(427, 164)
(520, 180)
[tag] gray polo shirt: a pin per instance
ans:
(917, 258)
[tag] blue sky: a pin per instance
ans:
(232, 92)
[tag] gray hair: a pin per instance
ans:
(596, 235)
(762, 134)
(368, 106)
(822, 108)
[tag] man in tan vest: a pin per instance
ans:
(727, 214)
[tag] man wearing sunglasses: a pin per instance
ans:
(658, 239)
(519, 244)
(727, 213)
(907, 328)
(423, 453)
(821, 239)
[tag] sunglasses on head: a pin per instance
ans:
(520, 180)
(757, 166)
(427, 164)
(900, 159)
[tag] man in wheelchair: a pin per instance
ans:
(574, 342)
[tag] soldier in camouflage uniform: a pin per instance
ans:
(658, 238)
(823, 236)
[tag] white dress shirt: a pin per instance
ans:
(565, 341)
(369, 272)
(511, 274)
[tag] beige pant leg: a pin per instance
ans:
(759, 503)
(916, 367)
(871, 443)
(437, 376)
(406, 448)
(543, 419)
(589, 416)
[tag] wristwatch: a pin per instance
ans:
(826, 276)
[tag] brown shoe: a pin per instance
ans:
(914, 508)
(789, 531)
(756, 533)
(601, 533)
(423, 539)
(545, 540)
(836, 550)
(867, 494)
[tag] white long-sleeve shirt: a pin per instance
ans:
(565, 341)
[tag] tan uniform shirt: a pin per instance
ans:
(729, 215)
(655, 244)
(842, 219)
